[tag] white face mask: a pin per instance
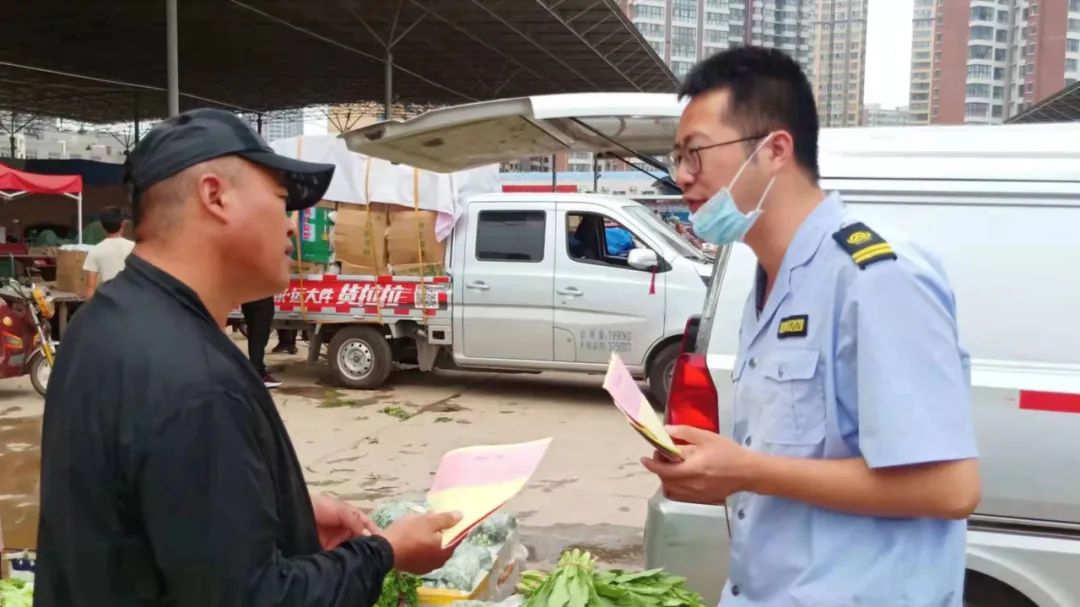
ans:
(719, 220)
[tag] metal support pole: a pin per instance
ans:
(173, 54)
(389, 85)
(595, 173)
(553, 174)
(136, 120)
(258, 123)
(78, 201)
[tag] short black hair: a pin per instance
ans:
(112, 219)
(767, 91)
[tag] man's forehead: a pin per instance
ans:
(704, 118)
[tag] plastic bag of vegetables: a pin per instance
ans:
(494, 531)
(387, 513)
(463, 569)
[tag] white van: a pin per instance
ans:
(533, 281)
(1000, 205)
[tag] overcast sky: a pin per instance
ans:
(888, 52)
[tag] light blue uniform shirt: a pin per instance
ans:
(874, 371)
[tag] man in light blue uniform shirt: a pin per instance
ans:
(851, 468)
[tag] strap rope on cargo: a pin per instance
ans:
(421, 291)
(299, 244)
(371, 241)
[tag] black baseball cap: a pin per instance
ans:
(204, 134)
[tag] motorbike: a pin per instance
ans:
(25, 346)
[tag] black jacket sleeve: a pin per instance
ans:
(208, 502)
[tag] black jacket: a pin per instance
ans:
(167, 477)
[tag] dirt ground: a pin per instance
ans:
(367, 447)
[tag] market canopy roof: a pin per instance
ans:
(33, 183)
(1063, 106)
(106, 61)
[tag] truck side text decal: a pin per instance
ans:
(343, 296)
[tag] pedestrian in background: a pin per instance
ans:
(259, 319)
(107, 258)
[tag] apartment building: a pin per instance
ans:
(876, 115)
(839, 72)
(826, 37)
(985, 61)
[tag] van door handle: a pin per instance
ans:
(478, 285)
(571, 291)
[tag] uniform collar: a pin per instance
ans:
(800, 251)
(169, 285)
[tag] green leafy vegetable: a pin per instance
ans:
(399, 590)
(16, 593)
(576, 577)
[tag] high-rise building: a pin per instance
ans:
(839, 73)
(278, 125)
(685, 31)
(826, 37)
(985, 61)
(875, 115)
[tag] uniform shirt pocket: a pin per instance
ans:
(794, 413)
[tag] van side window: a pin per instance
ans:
(595, 238)
(511, 236)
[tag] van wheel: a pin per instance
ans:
(360, 357)
(661, 370)
(40, 370)
(981, 590)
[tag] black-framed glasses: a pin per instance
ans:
(692, 156)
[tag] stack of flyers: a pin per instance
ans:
(638, 410)
(477, 481)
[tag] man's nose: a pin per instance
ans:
(683, 177)
(293, 229)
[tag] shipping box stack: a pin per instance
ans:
(360, 238)
(411, 243)
(386, 219)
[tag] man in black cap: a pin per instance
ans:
(167, 477)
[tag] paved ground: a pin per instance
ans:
(590, 491)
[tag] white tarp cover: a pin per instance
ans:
(360, 179)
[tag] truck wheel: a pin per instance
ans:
(660, 372)
(360, 357)
(40, 370)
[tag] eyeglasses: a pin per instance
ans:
(692, 156)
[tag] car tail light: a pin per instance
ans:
(692, 400)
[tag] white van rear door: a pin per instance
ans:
(476, 134)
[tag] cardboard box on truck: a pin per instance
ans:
(360, 238)
(412, 247)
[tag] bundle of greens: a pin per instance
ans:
(576, 583)
(16, 593)
(398, 590)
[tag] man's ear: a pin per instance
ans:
(780, 150)
(212, 190)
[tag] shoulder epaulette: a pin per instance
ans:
(863, 244)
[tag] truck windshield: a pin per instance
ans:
(683, 246)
